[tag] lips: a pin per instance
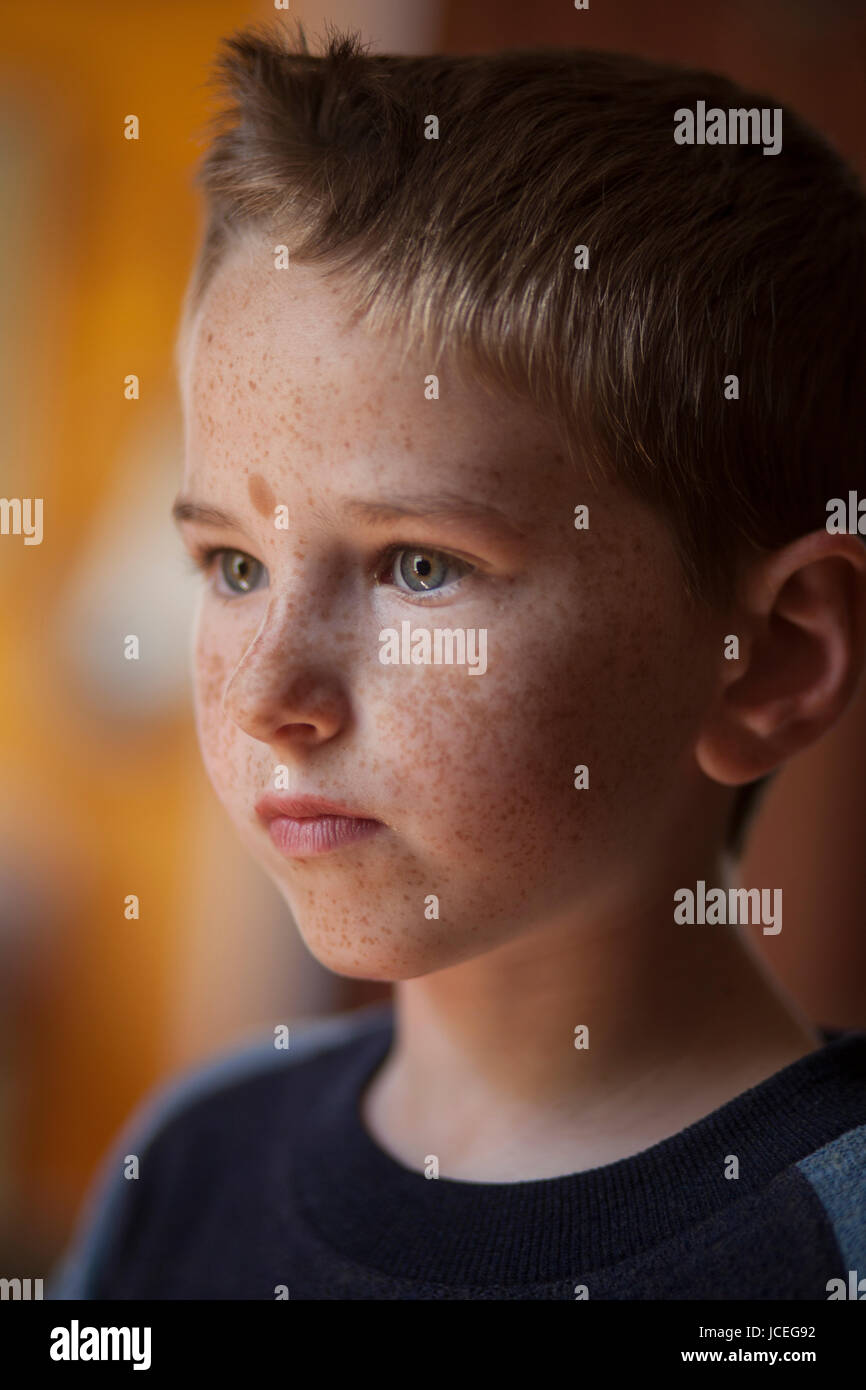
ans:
(272, 804)
(302, 826)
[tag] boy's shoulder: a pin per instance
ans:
(242, 1074)
(836, 1173)
(204, 1099)
(238, 1071)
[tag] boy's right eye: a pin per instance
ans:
(239, 571)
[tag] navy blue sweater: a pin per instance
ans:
(257, 1180)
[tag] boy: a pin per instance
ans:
(486, 345)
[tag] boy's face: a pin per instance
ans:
(592, 654)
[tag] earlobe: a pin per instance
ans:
(802, 620)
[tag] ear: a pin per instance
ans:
(800, 619)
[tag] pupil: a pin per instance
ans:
(424, 569)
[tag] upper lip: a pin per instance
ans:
(273, 804)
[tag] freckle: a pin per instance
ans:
(252, 385)
(260, 494)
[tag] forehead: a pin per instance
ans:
(273, 359)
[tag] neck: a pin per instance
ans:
(671, 1021)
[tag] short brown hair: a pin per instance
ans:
(705, 261)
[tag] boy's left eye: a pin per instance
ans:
(416, 570)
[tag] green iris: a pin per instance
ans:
(425, 569)
(236, 566)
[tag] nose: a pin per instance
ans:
(284, 690)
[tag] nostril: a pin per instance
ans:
(299, 732)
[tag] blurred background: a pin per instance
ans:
(103, 794)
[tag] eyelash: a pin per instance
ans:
(202, 558)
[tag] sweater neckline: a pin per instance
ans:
(376, 1212)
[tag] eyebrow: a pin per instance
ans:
(440, 507)
(187, 509)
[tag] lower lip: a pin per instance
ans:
(319, 834)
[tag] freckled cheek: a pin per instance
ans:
(463, 751)
(472, 756)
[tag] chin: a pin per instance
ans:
(382, 957)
